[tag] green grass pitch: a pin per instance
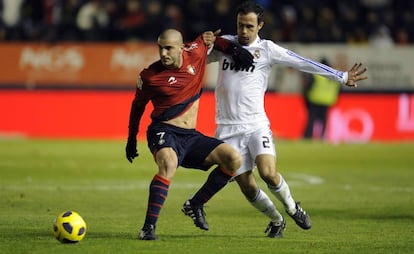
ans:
(360, 198)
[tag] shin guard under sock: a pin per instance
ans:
(217, 179)
(158, 191)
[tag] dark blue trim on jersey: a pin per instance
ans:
(322, 66)
(177, 109)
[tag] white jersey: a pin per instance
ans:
(240, 94)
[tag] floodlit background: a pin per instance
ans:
(70, 66)
(67, 78)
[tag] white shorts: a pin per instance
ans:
(250, 140)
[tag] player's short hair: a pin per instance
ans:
(251, 6)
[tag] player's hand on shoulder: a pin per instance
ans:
(355, 74)
(131, 149)
(209, 37)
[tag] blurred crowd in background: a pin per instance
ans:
(376, 22)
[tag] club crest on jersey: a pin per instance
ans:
(191, 47)
(172, 80)
(191, 69)
(256, 53)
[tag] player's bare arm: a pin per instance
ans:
(188, 119)
(355, 75)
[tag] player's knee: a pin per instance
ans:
(270, 177)
(235, 161)
(228, 158)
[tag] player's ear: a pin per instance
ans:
(260, 25)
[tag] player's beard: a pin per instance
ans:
(171, 62)
(243, 40)
(167, 62)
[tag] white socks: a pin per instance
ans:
(263, 203)
(282, 193)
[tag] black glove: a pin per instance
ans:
(131, 149)
(242, 57)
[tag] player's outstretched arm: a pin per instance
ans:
(354, 75)
(241, 56)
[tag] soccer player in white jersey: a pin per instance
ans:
(242, 121)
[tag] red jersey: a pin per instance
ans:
(171, 91)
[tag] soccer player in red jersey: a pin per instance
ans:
(173, 84)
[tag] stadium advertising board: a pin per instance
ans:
(73, 65)
(116, 65)
(104, 114)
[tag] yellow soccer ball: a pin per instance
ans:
(69, 227)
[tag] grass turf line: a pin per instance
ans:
(360, 198)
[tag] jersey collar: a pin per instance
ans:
(255, 42)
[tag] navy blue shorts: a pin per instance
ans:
(191, 146)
